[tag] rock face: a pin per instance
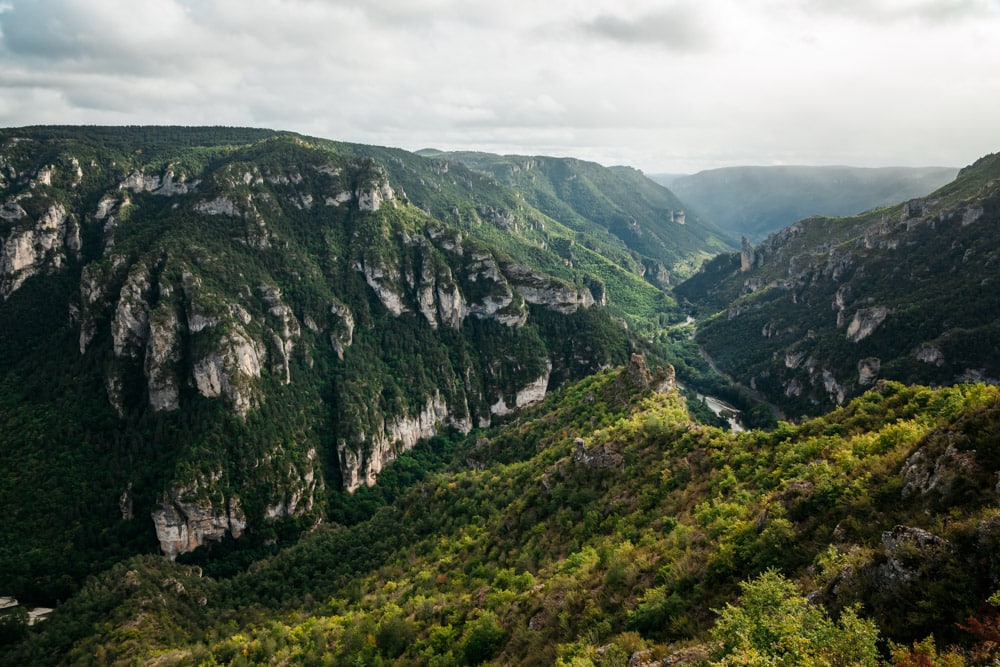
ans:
(925, 474)
(868, 371)
(166, 185)
(398, 435)
(637, 378)
(184, 521)
(376, 192)
(530, 394)
(36, 246)
(279, 285)
(229, 370)
(190, 516)
(596, 458)
(218, 206)
(747, 255)
(544, 291)
(163, 356)
(864, 323)
(908, 551)
(286, 331)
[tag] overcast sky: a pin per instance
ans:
(666, 86)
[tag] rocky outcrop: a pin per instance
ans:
(299, 495)
(868, 371)
(130, 326)
(384, 281)
(185, 519)
(793, 359)
(166, 185)
(338, 199)
(11, 210)
(494, 296)
(530, 394)
(342, 334)
(32, 248)
(596, 458)
(748, 258)
(542, 290)
(924, 473)
(229, 370)
(163, 356)
(930, 354)
(909, 552)
(374, 191)
(361, 463)
(191, 515)
(636, 378)
(833, 388)
(864, 323)
(451, 306)
(286, 331)
(221, 205)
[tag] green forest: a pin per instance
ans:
(268, 399)
(601, 525)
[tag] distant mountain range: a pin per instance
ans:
(755, 201)
(823, 309)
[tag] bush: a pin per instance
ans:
(483, 639)
(775, 625)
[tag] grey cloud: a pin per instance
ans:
(676, 29)
(883, 11)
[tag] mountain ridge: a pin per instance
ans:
(754, 201)
(819, 310)
(253, 326)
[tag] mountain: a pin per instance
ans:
(607, 528)
(213, 334)
(755, 201)
(617, 207)
(821, 310)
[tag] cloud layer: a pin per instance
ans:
(665, 86)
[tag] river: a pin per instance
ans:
(721, 409)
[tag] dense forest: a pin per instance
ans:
(273, 399)
(605, 526)
(821, 310)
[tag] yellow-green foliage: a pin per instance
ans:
(626, 528)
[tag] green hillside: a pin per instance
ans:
(214, 334)
(819, 311)
(611, 529)
(613, 207)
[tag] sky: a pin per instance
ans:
(668, 86)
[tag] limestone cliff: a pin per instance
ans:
(864, 296)
(34, 246)
(276, 315)
(186, 519)
(397, 435)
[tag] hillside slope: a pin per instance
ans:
(615, 207)
(612, 530)
(209, 333)
(819, 311)
(755, 201)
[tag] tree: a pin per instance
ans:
(483, 639)
(775, 625)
